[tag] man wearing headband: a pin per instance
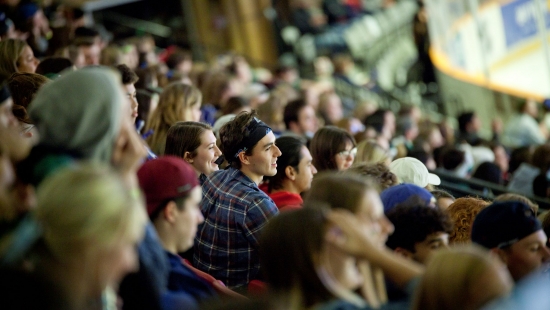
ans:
(235, 210)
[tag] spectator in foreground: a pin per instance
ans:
(319, 247)
(464, 277)
(90, 218)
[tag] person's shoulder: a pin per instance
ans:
(217, 178)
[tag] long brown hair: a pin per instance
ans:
(174, 105)
(184, 137)
(291, 246)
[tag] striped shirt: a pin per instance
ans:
(235, 211)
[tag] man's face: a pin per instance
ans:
(389, 125)
(432, 243)
(306, 170)
(263, 160)
(130, 93)
(526, 255)
(188, 219)
(475, 125)
(91, 54)
(307, 121)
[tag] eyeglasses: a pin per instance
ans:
(351, 152)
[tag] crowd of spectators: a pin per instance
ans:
(137, 179)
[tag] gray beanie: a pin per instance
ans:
(80, 112)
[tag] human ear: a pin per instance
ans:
(169, 212)
(290, 173)
(244, 158)
(501, 254)
(403, 252)
(187, 157)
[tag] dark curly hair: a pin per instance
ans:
(414, 222)
(232, 135)
(378, 172)
(128, 75)
(23, 87)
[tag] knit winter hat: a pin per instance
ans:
(80, 112)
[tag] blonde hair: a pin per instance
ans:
(452, 280)
(111, 56)
(370, 152)
(87, 208)
(10, 51)
(174, 105)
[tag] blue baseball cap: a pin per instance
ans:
(401, 193)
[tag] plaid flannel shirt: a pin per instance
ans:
(235, 211)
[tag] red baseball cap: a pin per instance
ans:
(165, 178)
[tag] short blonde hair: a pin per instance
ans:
(370, 152)
(87, 207)
(111, 56)
(174, 105)
(450, 280)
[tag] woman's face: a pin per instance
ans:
(114, 262)
(207, 153)
(345, 158)
(195, 112)
(344, 270)
(371, 212)
(436, 139)
(26, 61)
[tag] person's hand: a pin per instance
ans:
(351, 235)
(129, 151)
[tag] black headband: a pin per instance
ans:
(254, 132)
(4, 93)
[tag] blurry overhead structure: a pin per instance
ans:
(93, 5)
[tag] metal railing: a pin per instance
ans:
(463, 187)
